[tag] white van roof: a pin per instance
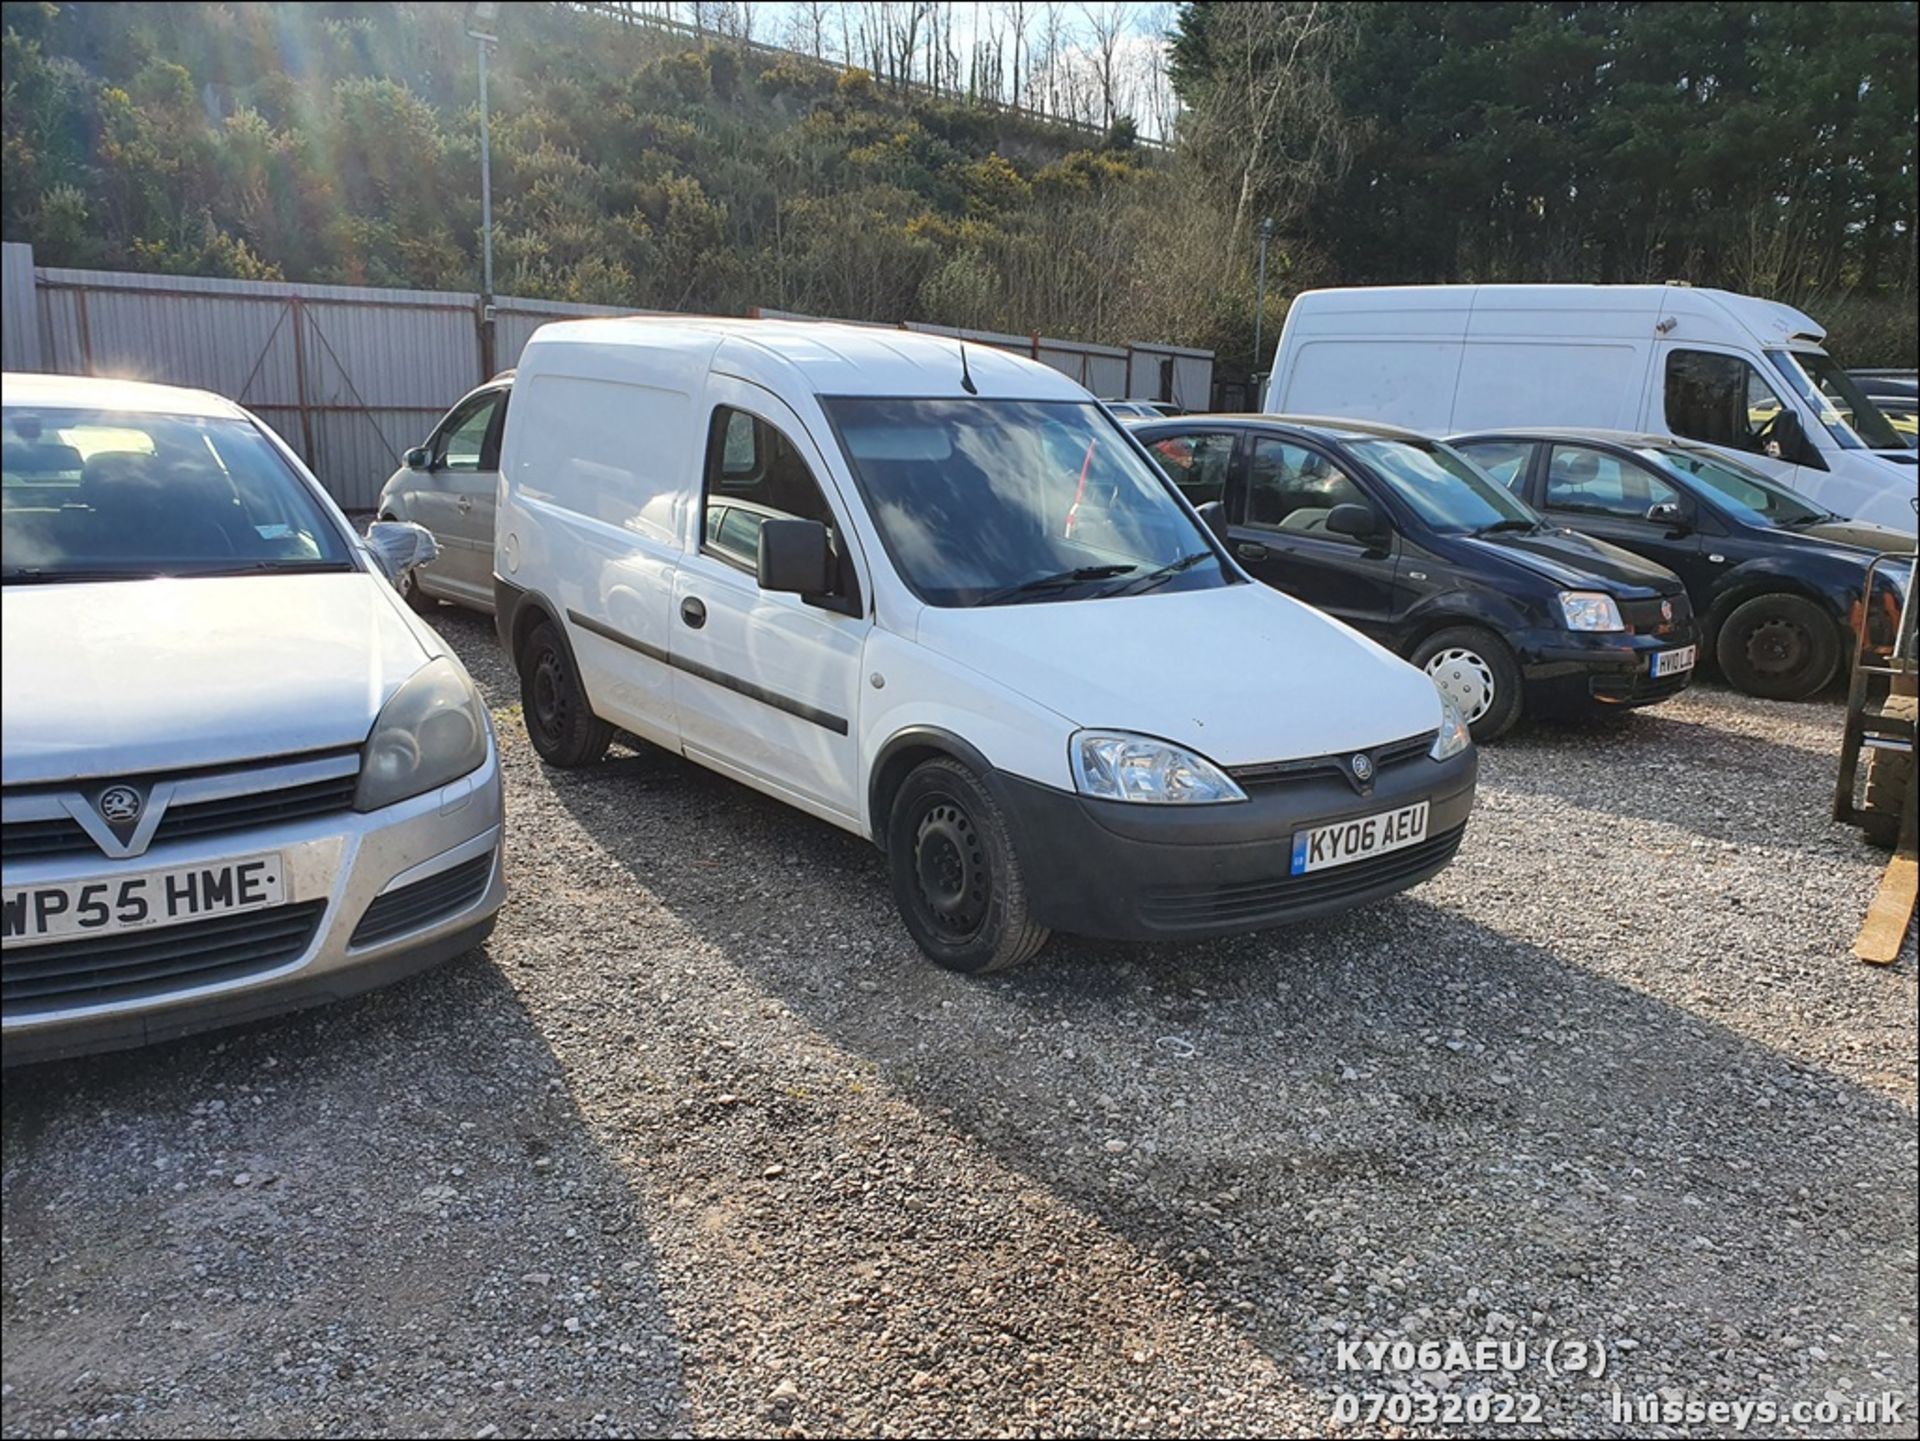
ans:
(1767, 321)
(822, 357)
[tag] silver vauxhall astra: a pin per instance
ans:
(240, 776)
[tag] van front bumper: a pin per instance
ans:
(1124, 871)
(1567, 672)
(432, 862)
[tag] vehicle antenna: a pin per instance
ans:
(966, 376)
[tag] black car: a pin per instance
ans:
(1398, 536)
(1776, 579)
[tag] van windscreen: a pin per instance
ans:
(1003, 502)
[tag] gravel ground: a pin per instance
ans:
(701, 1144)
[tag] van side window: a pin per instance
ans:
(754, 474)
(1196, 464)
(1592, 482)
(1292, 488)
(1720, 399)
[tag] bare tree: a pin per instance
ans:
(1016, 13)
(1107, 26)
(807, 27)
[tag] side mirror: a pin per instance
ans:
(1358, 521)
(1214, 515)
(795, 556)
(400, 546)
(1672, 516)
(416, 459)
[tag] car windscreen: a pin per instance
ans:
(1751, 497)
(1444, 488)
(1848, 415)
(100, 495)
(994, 502)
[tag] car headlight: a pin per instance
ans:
(1590, 610)
(1453, 736)
(1115, 766)
(431, 731)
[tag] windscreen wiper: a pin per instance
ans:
(1164, 573)
(1500, 525)
(1054, 582)
(37, 575)
(263, 567)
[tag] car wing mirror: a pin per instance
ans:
(416, 459)
(399, 547)
(795, 556)
(1361, 522)
(1671, 515)
(1214, 515)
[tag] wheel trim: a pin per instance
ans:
(1463, 677)
(951, 878)
(1778, 647)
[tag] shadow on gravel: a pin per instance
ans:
(370, 1218)
(1398, 1121)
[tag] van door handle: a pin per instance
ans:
(465, 502)
(693, 612)
(1251, 550)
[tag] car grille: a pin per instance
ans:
(62, 835)
(416, 905)
(1280, 773)
(140, 965)
(1643, 617)
(1261, 902)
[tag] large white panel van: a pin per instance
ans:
(1746, 375)
(938, 597)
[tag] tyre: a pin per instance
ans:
(1780, 647)
(1475, 670)
(560, 723)
(956, 877)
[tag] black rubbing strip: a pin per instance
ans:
(824, 719)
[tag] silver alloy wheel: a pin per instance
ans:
(1464, 678)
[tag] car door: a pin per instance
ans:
(1607, 495)
(767, 685)
(1278, 531)
(462, 482)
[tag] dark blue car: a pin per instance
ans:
(1397, 535)
(1777, 580)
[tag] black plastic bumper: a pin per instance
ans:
(1140, 872)
(122, 1032)
(1569, 672)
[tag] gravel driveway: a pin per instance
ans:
(701, 1144)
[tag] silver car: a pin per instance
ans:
(239, 775)
(449, 485)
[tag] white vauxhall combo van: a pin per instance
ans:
(938, 597)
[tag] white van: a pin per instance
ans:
(938, 597)
(1745, 375)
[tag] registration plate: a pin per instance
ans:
(1355, 840)
(1672, 662)
(103, 906)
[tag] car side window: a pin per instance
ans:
(755, 474)
(1197, 464)
(1721, 399)
(1592, 482)
(1292, 488)
(462, 441)
(1504, 460)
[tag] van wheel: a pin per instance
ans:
(1779, 647)
(956, 878)
(1475, 670)
(561, 725)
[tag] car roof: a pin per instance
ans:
(1631, 439)
(1326, 427)
(827, 358)
(99, 392)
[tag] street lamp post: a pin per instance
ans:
(1260, 300)
(481, 16)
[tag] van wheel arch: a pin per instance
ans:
(902, 754)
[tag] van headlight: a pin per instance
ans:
(431, 731)
(1590, 610)
(1453, 736)
(1115, 766)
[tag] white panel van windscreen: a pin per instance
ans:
(1403, 382)
(611, 451)
(1584, 383)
